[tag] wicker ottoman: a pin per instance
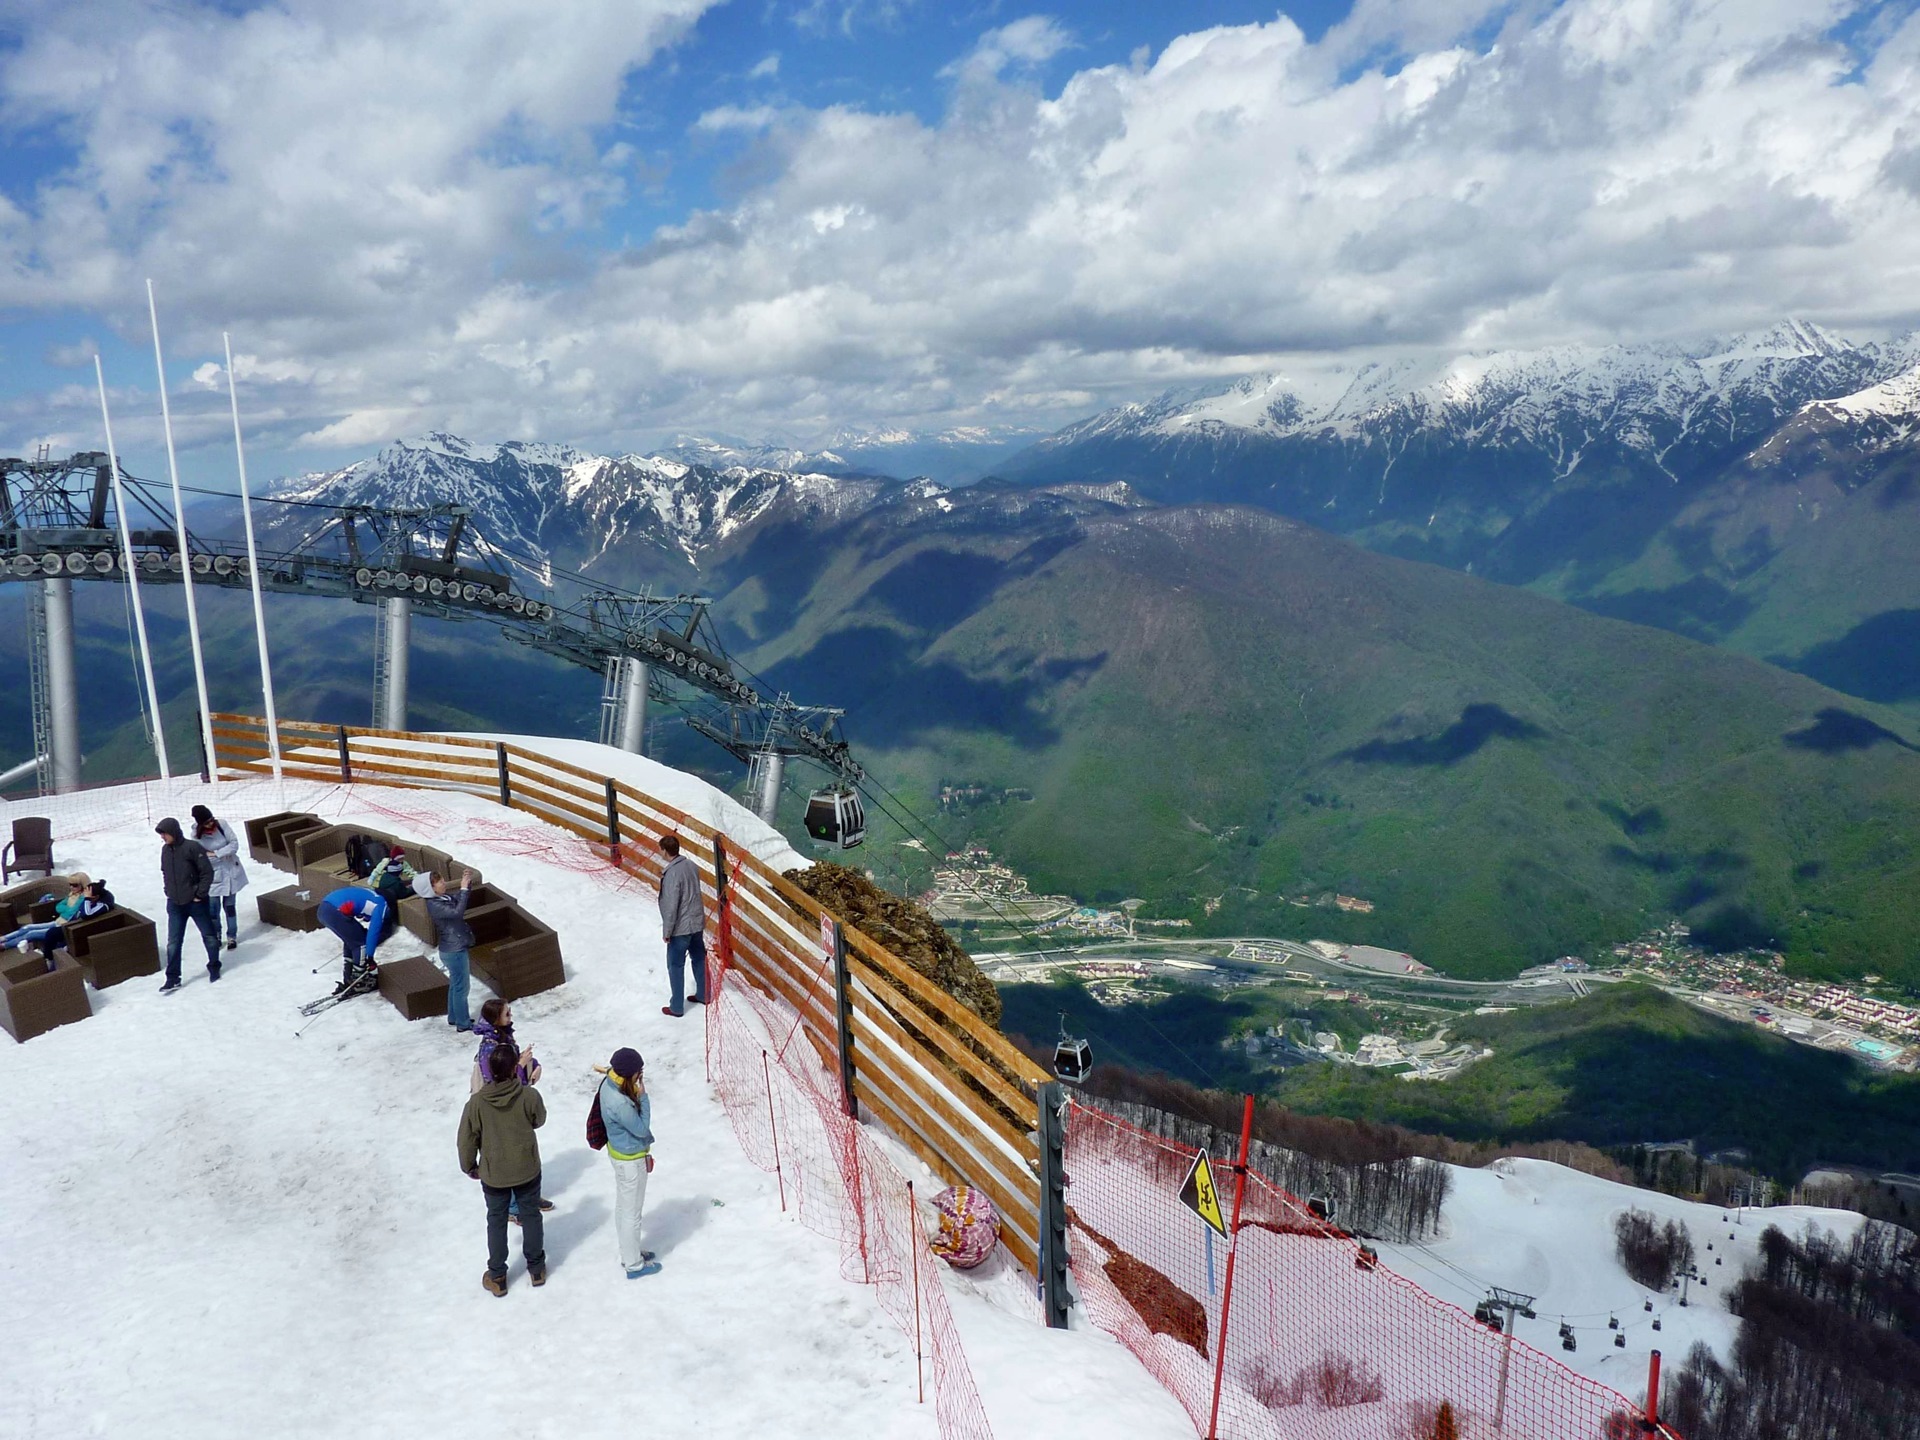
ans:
(285, 908)
(33, 999)
(415, 986)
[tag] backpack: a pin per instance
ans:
(363, 853)
(596, 1127)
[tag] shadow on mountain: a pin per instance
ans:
(1731, 927)
(895, 698)
(1835, 731)
(937, 589)
(1700, 609)
(1182, 1034)
(1878, 659)
(1648, 821)
(1477, 726)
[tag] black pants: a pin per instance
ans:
(533, 1229)
(201, 913)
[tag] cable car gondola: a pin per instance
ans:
(1072, 1058)
(836, 818)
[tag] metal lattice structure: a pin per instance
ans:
(57, 518)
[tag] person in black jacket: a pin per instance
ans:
(187, 875)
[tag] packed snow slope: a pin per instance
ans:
(216, 1229)
(1547, 1231)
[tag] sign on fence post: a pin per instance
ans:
(1232, 1233)
(835, 941)
(1200, 1195)
(1053, 1203)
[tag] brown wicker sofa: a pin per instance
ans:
(270, 838)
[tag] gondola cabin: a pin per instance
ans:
(835, 818)
(1072, 1059)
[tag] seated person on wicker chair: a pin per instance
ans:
(85, 899)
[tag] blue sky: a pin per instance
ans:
(610, 222)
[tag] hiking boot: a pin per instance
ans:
(169, 987)
(537, 1274)
(493, 1284)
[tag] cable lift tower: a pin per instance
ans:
(60, 521)
(766, 737)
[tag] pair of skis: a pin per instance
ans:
(364, 982)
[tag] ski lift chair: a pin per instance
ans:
(835, 818)
(1072, 1059)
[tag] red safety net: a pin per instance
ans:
(1322, 1340)
(835, 1177)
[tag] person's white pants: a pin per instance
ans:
(629, 1199)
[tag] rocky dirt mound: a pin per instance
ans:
(905, 929)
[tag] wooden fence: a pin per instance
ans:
(941, 1079)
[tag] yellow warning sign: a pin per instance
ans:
(1198, 1194)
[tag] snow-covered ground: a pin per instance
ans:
(216, 1229)
(1547, 1231)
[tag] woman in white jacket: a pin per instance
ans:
(229, 874)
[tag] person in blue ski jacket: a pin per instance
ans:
(627, 1111)
(358, 916)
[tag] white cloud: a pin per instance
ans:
(1027, 42)
(766, 69)
(384, 240)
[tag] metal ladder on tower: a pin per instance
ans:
(613, 701)
(39, 696)
(382, 666)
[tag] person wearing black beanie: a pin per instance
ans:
(627, 1111)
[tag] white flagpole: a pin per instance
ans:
(186, 558)
(253, 572)
(133, 578)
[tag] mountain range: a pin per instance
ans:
(1230, 713)
(1756, 491)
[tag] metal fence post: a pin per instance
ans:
(613, 820)
(1053, 1203)
(506, 783)
(346, 760)
(843, 1013)
(201, 717)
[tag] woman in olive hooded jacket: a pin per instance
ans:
(498, 1148)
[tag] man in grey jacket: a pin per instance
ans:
(187, 876)
(683, 925)
(447, 909)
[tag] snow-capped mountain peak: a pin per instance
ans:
(535, 500)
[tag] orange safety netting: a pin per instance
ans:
(836, 1178)
(1323, 1341)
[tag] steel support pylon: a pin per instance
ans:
(633, 706)
(62, 688)
(390, 678)
(770, 767)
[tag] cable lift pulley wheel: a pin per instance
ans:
(836, 820)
